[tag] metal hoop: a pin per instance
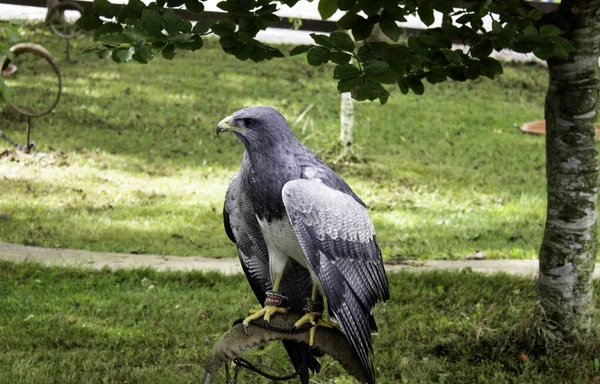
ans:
(65, 5)
(40, 51)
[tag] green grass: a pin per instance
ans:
(140, 326)
(132, 163)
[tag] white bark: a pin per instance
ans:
(569, 246)
(346, 119)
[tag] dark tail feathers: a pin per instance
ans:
(301, 355)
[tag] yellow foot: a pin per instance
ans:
(266, 313)
(316, 321)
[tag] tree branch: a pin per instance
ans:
(329, 340)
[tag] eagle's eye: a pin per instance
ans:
(248, 122)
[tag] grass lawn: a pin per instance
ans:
(140, 326)
(131, 162)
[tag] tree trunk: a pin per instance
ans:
(568, 250)
(346, 119)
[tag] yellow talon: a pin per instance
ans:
(265, 312)
(315, 321)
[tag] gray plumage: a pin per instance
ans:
(288, 212)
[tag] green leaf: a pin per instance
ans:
(370, 91)
(389, 27)
(228, 41)
(322, 40)
(456, 72)
(327, 8)
(562, 47)
(197, 43)
(473, 71)
(362, 29)
(102, 52)
(300, 49)
(429, 41)
(436, 76)
(88, 51)
(224, 27)
(5, 92)
(348, 20)
(483, 48)
(496, 27)
(415, 45)
(416, 85)
(426, 14)
(372, 51)
(442, 6)
(105, 8)
(194, 6)
(168, 52)
(182, 38)
(115, 39)
(175, 3)
(136, 6)
(345, 5)
(530, 31)
(464, 19)
(317, 56)
(152, 21)
(349, 84)
(384, 96)
(397, 62)
(202, 26)
(534, 14)
(380, 72)
(122, 55)
(128, 16)
(11, 33)
(340, 57)
(544, 50)
(185, 26)
(171, 22)
(345, 71)
(143, 54)
(136, 34)
(89, 21)
(453, 57)
(107, 28)
(492, 67)
(341, 40)
(549, 30)
(403, 85)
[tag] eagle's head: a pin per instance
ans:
(257, 127)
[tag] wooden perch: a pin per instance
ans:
(235, 342)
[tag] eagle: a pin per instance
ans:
(302, 234)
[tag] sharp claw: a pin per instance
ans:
(245, 328)
(267, 325)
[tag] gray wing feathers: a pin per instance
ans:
(241, 222)
(243, 226)
(338, 240)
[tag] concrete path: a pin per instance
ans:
(98, 260)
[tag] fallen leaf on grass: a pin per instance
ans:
(478, 255)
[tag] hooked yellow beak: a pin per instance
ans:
(225, 126)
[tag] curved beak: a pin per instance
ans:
(225, 125)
